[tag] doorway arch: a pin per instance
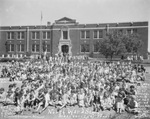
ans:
(65, 49)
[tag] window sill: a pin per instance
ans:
(96, 52)
(20, 51)
(84, 52)
(97, 38)
(20, 39)
(35, 39)
(85, 38)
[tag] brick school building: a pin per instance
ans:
(64, 36)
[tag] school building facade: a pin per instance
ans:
(64, 35)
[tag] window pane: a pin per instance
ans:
(120, 31)
(18, 47)
(44, 35)
(95, 34)
(87, 34)
(8, 35)
(48, 35)
(8, 47)
(96, 48)
(85, 48)
(134, 30)
(33, 47)
(82, 48)
(12, 47)
(65, 34)
(22, 35)
(18, 35)
(37, 48)
(100, 34)
(37, 35)
(22, 47)
(82, 34)
(48, 48)
(12, 35)
(33, 35)
(129, 31)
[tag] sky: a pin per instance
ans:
(28, 12)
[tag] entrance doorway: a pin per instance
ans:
(65, 49)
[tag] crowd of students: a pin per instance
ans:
(63, 82)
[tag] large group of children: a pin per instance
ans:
(63, 82)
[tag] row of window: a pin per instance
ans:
(96, 34)
(46, 34)
(35, 35)
(36, 48)
(21, 48)
(86, 48)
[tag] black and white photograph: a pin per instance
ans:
(74, 59)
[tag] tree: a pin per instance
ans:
(112, 45)
(85, 48)
(119, 44)
(133, 43)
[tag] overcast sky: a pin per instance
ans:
(28, 12)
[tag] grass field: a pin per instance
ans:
(83, 113)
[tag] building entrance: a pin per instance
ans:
(65, 49)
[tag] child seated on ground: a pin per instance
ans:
(2, 95)
(132, 105)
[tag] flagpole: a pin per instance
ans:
(41, 35)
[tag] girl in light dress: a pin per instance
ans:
(81, 97)
(73, 98)
(64, 100)
(2, 95)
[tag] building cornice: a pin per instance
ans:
(85, 28)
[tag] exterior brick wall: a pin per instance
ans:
(74, 34)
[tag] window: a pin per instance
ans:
(82, 34)
(46, 35)
(20, 35)
(134, 30)
(36, 35)
(48, 48)
(35, 47)
(11, 48)
(65, 34)
(120, 31)
(85, 48)
(10, 35)
(85, 34)
(96, 48)
(20, 47)
(95, 34)
(98, 34)
(129, 31)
